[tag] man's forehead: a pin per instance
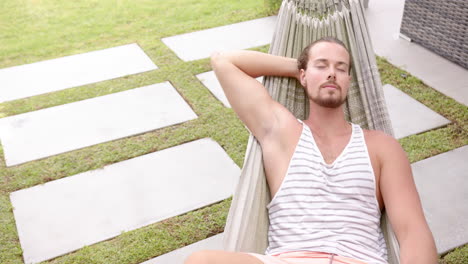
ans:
(326, 45)
(329, 51)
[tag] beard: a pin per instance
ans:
(328, 101)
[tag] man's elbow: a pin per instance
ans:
(216, 58)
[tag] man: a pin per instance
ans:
(329, 179)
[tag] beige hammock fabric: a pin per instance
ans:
(299, 23)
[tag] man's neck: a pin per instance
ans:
(327, 122)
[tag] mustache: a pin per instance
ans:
(331, 83)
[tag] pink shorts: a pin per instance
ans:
(303, 257)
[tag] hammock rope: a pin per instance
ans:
(299, 23)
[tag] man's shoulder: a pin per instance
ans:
(378, 137)
(382, 143)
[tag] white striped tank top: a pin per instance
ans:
(328, 207)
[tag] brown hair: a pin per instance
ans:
(304, 57)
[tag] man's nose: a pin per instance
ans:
(331, 76)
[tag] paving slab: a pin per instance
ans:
(384, 20)
(64, 215)
(409, 116)
(210, 81)
(59, 129)
(442, 185)
(178, 256)
(243, 35)
(71, 71)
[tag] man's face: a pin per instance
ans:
(326, 78)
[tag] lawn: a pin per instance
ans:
(36, 30)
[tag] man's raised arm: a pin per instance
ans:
(236, 72)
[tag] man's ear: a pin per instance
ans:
(302, 78)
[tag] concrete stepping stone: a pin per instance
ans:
(384, 20)
(243, 35)
(210, 81)
(71, 71)
(409, 116)
(178, 256)
(64, 215)
(442, 185)
(59, 129)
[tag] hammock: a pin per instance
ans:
(299, 23)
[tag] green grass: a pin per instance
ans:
(36, 30)
(457, 256)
